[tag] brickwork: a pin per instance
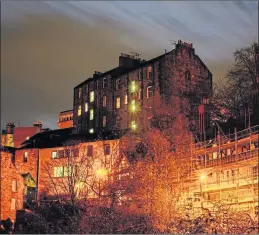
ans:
(26, 161)
(12, 187)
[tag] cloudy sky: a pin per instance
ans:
(47, 48)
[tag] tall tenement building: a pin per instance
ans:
(129, 95)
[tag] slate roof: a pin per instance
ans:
(59, 137)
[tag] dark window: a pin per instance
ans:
(150, 93)
(60, 154)
(107, 149)
(117, 84)
(75, 152)
(67, 152)
(25, 157)
(188, 75)
(139, 74)
(80, 92)
(104, 82)
(85, 89)
(13, 158)
(89, 150)
(97, 85)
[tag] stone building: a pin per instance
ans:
(130, 95)
(65, 119)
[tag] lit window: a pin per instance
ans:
(92, 96)
(133, 105)
(86, 107)
(25, 157)
(117, 84)
(13, 204)
(133, 86)
(104, 121)
(79, 111)
(107, 149)
(126, 99)
(91, 114)
(54, 154)
(150, 93)
(133, 125)
(118, 102)
(104, 82)
(104, 101)
(91, 131)
(14, 186)
(59, 171)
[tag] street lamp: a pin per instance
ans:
(101, 174)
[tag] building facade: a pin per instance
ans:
(11, 186)
(14, 136)
(48, 161)
(130, 95)
(65, 119)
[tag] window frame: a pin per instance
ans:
(91, 96)
(104, 121)
(117, 84)
(104, 101)
(118, 98)
(90, 150)
(150, 89)
(91, 114)
(79, 111)
(86, 107)
(25, 157)
(105, 149)
(105, 84)
(54, 154)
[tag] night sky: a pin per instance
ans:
(47, 48)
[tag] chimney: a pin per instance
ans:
(10, 127)
(96, 74)
(128, 61)
(37, 124)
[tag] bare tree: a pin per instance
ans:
(233, 93)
